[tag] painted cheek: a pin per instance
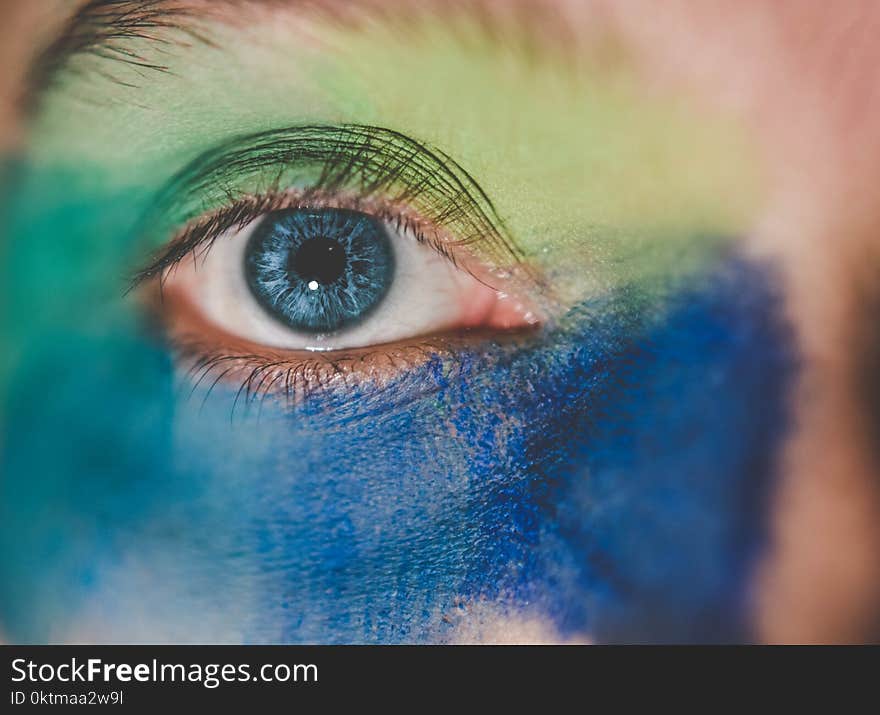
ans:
(611, 479)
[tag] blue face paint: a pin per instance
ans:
(610, 477)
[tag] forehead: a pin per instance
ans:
(777, 61)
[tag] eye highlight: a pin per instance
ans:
(366, 249)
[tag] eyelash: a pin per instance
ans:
(297, 379)
(339, 379)
(198, 237)
(371, 166)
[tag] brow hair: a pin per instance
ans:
(115, 30)
(105, 29)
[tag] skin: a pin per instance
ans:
(639, 170)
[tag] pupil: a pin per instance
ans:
(319, 259)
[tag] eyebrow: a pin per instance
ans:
(111, 29)
(106, 29)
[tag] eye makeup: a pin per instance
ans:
(601, 180)
(578, 467)
(315, 172)
(407, 182)
(506, 477)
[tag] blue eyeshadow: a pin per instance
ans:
(612, 478)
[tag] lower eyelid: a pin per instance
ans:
(293, 381)
(208, 356)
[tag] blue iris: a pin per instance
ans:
(319, 270)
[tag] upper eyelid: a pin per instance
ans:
(371, 161)
(197, 238)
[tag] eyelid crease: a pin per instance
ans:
(354, 164)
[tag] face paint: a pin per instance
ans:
(606, 475)
(601, 181)
(613, 480)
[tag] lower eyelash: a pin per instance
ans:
(294, 380)
(337, 379)
(208, 359)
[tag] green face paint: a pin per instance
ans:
(600, 182)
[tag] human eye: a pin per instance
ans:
(330, 252)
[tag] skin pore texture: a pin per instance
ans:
(609, 478)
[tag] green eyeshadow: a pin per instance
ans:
(600, 180)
